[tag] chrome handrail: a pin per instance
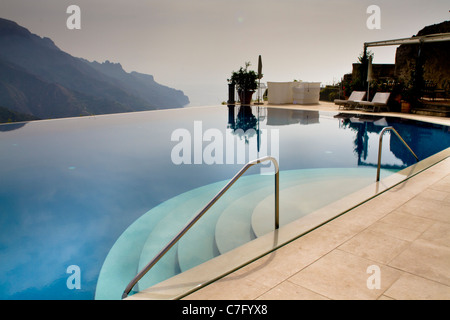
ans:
(381, 144)
(202, 212)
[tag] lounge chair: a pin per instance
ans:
(353, 100)
(380, 100)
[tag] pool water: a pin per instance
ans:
(72, 190)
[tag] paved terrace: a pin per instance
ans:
(399, 240)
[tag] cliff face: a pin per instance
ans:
(39, 79)
(435, 57)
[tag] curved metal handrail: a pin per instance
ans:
(203, 211)
(381, 144)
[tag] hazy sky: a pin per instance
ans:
(194, 45)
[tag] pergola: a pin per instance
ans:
(420, 40)
(437, 37)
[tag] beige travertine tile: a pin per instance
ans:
(342, 275)
(375, 246)
(269, 270)
(230, 289)
(427, 208)
(394, 230)
(290, 291)
(439, 233)
(433, 194)
(277, 266)
(383, 297)
(427, 259)
(411, 287)
(443, 184)
(407, 221)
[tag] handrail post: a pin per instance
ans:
(277, 199)
(203, 211)
(381, 144)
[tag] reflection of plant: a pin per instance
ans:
(245, 121)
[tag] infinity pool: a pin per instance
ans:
(70, 188)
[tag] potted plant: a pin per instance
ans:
(409, 97)
(406, 100)
(246, 83)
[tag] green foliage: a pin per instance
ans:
(244, 79)
(361, 56)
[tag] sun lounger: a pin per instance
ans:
(353, 100)
(380, 100)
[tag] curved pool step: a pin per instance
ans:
(234, 227)
(190, 203)
(227, 224)
(231, 218)
(122, 261)
(320, 188)
(198, 245)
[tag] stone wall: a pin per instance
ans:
(379, 71)
(435, 57)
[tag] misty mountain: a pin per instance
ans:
(39, 79)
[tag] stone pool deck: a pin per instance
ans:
(394, 246)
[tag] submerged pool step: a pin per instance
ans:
(234, 227)
(122, 261)
(314, 190)
(246, 210)
(188, 205)
(124, 258)
(198, 245)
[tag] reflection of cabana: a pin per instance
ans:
(360, 118)
(279, 117)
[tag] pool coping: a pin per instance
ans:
(192, 280)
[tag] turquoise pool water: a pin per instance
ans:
(71, 189)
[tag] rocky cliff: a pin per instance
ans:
(435, 57)
(39, 79)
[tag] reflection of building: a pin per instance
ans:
(279, 117)
(424, 140)
(362, 126)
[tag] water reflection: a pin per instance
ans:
(424, 139)
(70, 187)
(245, 124)
(281, 117)
(362, 126)
(11, 126)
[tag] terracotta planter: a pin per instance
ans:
(406, 107)
(245, 97)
